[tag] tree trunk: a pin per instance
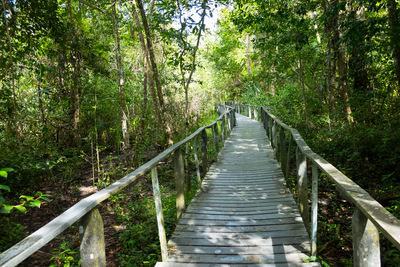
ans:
(357, 62)
(342, 68)
(14, 115)
(394, 25)
(248, 60)
(124, 108)
(150, 49)
(193, 65)
(74, 89)
(156, 76)
(40, 100)
(148, 77)
(303, 90)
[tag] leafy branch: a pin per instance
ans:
(26, 201)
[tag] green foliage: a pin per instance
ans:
(140, 243)
(26, 201)
(65, 256)
(10, 233)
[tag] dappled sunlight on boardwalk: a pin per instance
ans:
(244, 214)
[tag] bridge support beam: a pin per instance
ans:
(366, 252)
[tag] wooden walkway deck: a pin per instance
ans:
(244, 214)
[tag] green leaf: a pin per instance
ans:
(28, 198)
(20, 208)
(3, 173)
(6, 209)
(4, 187)
(45, 199)
(7, 169)
(35, 203)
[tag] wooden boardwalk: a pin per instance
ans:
(244, 214)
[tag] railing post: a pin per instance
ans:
(314, 210)
(282, 142)
(216, 137)
(249, 111)
(204, 150)
(179, 182)
(229, 123)
(255, 114)
(222, 130)
(270, 125)
(302, 181)
(196, 160)
(159, 212)
(234, 118)
(262, 117)
(92, 248)
(288, 155)
(366, 251)
(273, 136)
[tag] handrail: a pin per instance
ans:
(45, 234)
(368, 213)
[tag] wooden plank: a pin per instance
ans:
(239, 229)
(228, 250)
(271, 187)
(249, 242)
(242, 195)
(241, 176)
(196, 235)
(241, 218)
(263, 201)
(176, 264)
(200, 205)
(224, 198)
(247, 259)
(240, 212)
(289, 220)
(244, 180)
(273, 208)
(231, 190)
(262, 171)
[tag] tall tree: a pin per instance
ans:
(394, 33)
(123, 106)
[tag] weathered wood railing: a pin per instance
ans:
(369, 217)
(92, 248)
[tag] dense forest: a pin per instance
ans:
(90, 90)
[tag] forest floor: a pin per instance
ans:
(62, 197)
